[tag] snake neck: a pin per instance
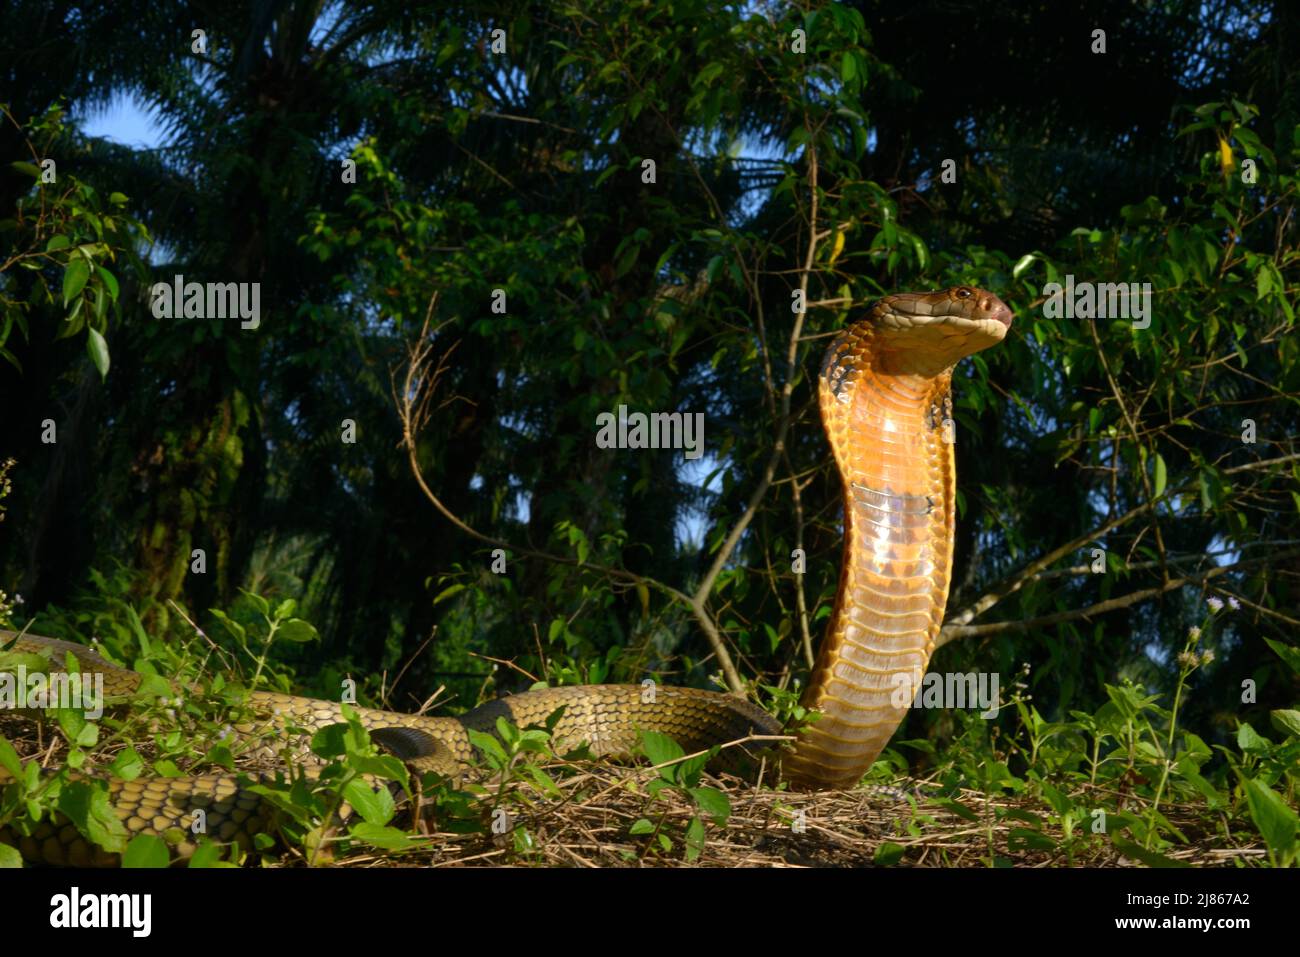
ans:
(884, 414)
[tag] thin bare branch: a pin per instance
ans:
(413, 402)
(1101, 608)
(957, 623)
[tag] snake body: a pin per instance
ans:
(885, 403)
(885, 395)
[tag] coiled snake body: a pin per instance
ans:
(886, 408)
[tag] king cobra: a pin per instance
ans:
(886, 406)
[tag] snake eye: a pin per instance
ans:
(964, 292)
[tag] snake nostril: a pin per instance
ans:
(995, 308)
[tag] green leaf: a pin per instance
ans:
(489, 745)
(694, 839)
(710, 73)
(1250, 741)
(261, 604)
(73, 724)
(87, 806)
(387, 838)
(128, 765)
(1207, 495)
(535, 740)
(1023, 838)
(1286, 721)
(375, 805)
(922, 254)
(1023, 263)
(626, 260)
(1139, 853)
(641, 826)
(797, 138)
(384, 766)
(30, 169)
(848, 67)
(208, 854)
(1263, 280)
(1276, 822)
(219, 754)
(110, 281)
(660, 748)
(1162, 475)
(888, 854)
(234, 627)
(9, 857)
(297, 630)
(98, 350)
(145, 850)
(9, 759)
(713, 803)
(74, 279)
(507, 732)
(73, 321)
(545, 783)
(956, 807)
(1288, 653)
(1187, 771)
(688, 771)
(57, 242)
(447, 593)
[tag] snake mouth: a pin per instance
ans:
(995, 328)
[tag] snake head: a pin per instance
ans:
(926, 332)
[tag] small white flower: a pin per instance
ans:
(1215, 603)
(1194, 632)
(1234, 604)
